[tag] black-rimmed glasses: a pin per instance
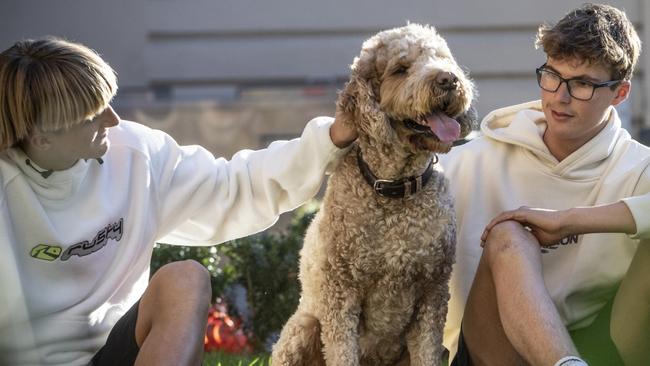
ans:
(578, 88)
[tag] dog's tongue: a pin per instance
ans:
(445, 128)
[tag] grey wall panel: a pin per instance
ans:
(114, 28)
(201, 60)
(498, 93)
(224, 44)
(260, 15)
(496, 53)
(264, 15)
(147, 41)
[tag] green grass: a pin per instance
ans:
(224, 359)
(594, 343)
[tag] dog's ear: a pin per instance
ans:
(358, 102)
(468, 121)
(346, 105)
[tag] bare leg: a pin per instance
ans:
(630, 321)
(482, 329)
(172, 316)
(510, 318)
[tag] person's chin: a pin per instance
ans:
(101, 150)
(563, 131)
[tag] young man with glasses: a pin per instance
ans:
(517, 298)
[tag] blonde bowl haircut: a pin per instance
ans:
(50, 84)
(594, 33)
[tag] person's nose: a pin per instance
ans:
(562, 93)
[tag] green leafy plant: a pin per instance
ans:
(266, 265)
(207, 256)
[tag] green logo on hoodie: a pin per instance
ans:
(46, 252)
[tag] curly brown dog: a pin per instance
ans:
(377, 258)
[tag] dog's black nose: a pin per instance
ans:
(446, 80)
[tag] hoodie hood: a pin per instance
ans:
(59, 186)
(524, 125)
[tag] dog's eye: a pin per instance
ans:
(400, 70)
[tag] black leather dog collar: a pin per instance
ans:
(395, 188)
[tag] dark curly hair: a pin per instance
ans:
(593, 33)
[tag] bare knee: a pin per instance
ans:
(178, 292)
(507, 240)
(183, 278)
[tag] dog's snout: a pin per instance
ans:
(446, 80)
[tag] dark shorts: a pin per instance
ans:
(121, 347)
(462, 356)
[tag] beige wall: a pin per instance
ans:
(199, 68)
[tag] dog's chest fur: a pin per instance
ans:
(404, 232)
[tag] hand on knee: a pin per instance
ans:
(509, 238)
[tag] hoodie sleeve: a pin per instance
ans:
(640, 208)
(639, 205)
(206, 201)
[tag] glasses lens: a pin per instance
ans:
(548, 80)
(581, 89)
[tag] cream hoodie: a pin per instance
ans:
(510, 166)
(75, 248)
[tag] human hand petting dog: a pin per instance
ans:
(341, 133)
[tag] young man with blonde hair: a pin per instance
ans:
(518, 300)
(85, 195)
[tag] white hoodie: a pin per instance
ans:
(75, 248)
(510, 166)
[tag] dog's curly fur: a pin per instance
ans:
(375, 270)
